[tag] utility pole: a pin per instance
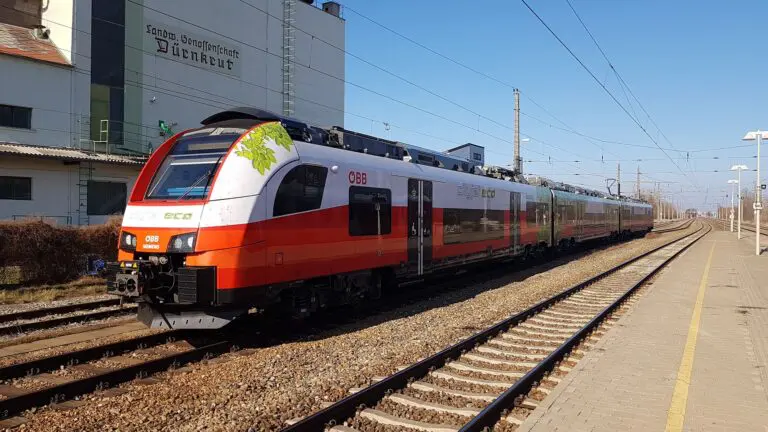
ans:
(658, 200)
(518, 162)
(618, 179)
(758, 197)
(638, 182)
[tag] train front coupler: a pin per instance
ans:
(136, 279)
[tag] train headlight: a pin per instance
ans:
(182, 243)
(127, 242)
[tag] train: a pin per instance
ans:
(253, 211)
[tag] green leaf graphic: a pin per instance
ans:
(254, 145)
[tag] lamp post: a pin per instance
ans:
(739, 168)
(733, 184)
(758, 136)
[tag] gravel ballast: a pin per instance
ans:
(265, 388)
(24, 307)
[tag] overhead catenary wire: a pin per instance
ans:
(622, 82)
(469, 68)
(567, 128)
(307, 66)
(616, 72)
(597, 80)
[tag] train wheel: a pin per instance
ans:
(526, 254)
(376, 285)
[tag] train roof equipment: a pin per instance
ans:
(336, 136)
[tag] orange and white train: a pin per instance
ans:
(255, 211)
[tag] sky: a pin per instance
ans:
(695, 66)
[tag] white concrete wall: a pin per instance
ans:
(59, 96)
(59, 18)
(54, 187)
(177, 92)
(45, 89)
(319, 66)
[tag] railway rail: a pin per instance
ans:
(18, 400)
(744, 226)
(673, 226)
(89, 362)
(58, 310)
(491, 375)
(94, 374)
(23, 327)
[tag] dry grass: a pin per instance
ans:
(10, 275)
(85, 286)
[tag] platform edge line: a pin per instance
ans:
(676, 413)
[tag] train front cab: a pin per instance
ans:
(192, 229)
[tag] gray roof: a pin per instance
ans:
(63, 153)
(465, 145)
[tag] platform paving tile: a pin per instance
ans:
(626, 382)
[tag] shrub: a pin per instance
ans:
(39, 253)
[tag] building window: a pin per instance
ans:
(370, 211)
(15, 188)
(16, 117)
(301, 190)
(106, 198)
(108, 73)
(477, 156)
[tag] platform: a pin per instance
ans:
(691, 355)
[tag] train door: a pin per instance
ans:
(419, 224)
(514, 219)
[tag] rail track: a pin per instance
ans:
(59, 310)
(20, 320)
(494, 376)
(673, 226)
(746, 227)
(97, 368)
(105, 366)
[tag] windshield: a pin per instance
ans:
(188, 170)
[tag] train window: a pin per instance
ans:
(106, 198)
(301, 190)
(530, 212)
(469, 225)
(187, 172)
(370, 211)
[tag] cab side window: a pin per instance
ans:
(301, 190)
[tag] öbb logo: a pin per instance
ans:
(356, 177)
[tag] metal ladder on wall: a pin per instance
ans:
(289, 41)
(84, 175)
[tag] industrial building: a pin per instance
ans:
(91, 87)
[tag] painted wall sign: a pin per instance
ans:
(194, 49)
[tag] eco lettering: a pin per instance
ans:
(178, 216)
